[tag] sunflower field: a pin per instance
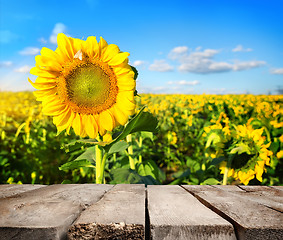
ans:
(201, 139)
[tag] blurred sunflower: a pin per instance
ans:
(86, 85)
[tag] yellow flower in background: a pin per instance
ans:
(279, 154)
(86, 85)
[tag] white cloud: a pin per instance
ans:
(202, 62)
(23, 69)
(178, 52)
(247, 65)
(138, 63)
(30, 51)
(240, 48)
(5, 64)
(183, 82)
(160, 66)
(277, 71)
(58, 28)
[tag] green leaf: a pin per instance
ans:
(66, 182)
(145, 135)
(216, 161)
(182, 174)
(118, 147)
(122, 175)
(89, 155)
(213, 138)
(143, 121)
(241, 148)
(150, 168)
(210, 181)
(76, 164)
(136, 72)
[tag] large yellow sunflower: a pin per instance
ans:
(85, 85)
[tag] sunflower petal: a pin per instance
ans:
(77, 44)
(43, 73)
(106, 120)
(46, 52)
(65, 47)
(42, 86)
(77, 124)
(118, 59)
(119, 115)
(64, 120)
(102, 44)
(47, 63)
(42, 94)
(91, 127)
(110, 52)
(91, 47)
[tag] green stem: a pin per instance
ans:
(130, 151)
(225, 177)
(140, 146)
(98, 160)
(101, 175)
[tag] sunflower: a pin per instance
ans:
(86, 85)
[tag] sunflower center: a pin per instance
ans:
(89, 87)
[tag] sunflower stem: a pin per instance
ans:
(130, 151)
(140, 146)
(98, 159)
(105, 156)
(226, 171)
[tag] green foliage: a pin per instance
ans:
(180, 152)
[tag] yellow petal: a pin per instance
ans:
(64, 120)
(46, 52)
(45, 80)
(47, 63)
(125, 70)
(77, 44)
(126, 99)
(65, 47)
(118, 59)
(126, 84)
(91, 47)
(53, 108)
(42, 86)
(42, 94)
(119, 115)
(91, 127)
(44, 73)
(102, 44)
(110, 52)
(106, 120)
(77, 124)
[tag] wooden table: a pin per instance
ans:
(90, 211)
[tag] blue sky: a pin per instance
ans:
(190, 47)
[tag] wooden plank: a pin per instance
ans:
(176, 214)
(269, 197)
(251, 219)
(120, 214)
(7, 190)
(46, 213)
(277, 187)
(229, 188)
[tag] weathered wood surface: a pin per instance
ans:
(47, 212)
(90, 211)
(176, 214)
(13, 189)
(251, 217)
(120, 214)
